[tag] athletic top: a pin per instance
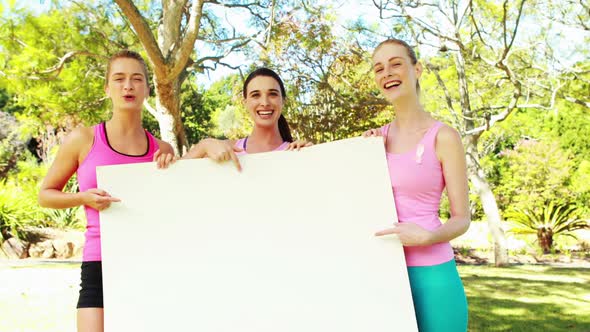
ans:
(102, 154)
(417, 181)
(242, 142)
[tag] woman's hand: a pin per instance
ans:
(97, 199)
(373, 132)
(298, 144)
(216, 150)
(163, 160)
(409, 234)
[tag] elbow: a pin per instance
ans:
(466, 223)
(41, 200)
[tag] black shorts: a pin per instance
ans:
(91, 286)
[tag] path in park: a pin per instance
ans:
(38, 296)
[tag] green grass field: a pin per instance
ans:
(528, 298)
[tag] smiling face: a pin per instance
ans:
(264, 101)
(396, 73)
(127, 84)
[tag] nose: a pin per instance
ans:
(128, 85)
(386, 71)
(264, 100)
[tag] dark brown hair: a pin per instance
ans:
(284, 129)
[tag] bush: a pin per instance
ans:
(548, 222)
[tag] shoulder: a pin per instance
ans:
(164, 147)
(447, 135)
(80, 136)
(448, 143)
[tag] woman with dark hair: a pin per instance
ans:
(264, 97)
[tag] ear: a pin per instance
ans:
(106, 90)
(419, 70)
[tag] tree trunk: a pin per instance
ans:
(545, 238)
(490, 207)
(169, 120)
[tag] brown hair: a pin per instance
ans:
(283, 124)
(127, 54)
(409, 50)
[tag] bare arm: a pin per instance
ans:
(62, 169)
(68, 158)
(451, 154)
(164, 147)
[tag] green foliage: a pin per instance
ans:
(18, 200)
(580, 184)
(56, 71)
(570, 126)
(549, 221)
(564, 138)
(328, 77)
(64, 218)
(537, 172)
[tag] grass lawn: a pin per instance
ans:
(527, 298)
(531, 298)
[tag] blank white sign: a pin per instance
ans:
(286, 245)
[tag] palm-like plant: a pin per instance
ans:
(551, 220)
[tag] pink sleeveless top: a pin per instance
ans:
(241, 143)
(417, 181)
(102, 154)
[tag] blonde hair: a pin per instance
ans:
(409, 50)
(127, 54)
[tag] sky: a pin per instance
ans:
(345, 11)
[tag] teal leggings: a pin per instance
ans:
(439, 298)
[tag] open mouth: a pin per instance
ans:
(129, 98)
(265, 114)
(392, 84)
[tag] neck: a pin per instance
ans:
(125, 122)
(266, 136)
(409, 112)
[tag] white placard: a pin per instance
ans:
(286, 245)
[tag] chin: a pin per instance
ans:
(265, 123)
(130, 108)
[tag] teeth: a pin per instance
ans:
(390, 84)
(265, 112)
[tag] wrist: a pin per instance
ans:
(430, 238)
(197, 150)
(80, 198)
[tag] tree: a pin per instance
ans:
(493, 69)
(44, 62)
(547, 222)
(170, 48)
(327, 74)
(537, 172)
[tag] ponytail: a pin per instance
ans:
(284, 129)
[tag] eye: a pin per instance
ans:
(397, 64)
(378, 70)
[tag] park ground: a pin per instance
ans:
(41, 296)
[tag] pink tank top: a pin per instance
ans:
(241, 143)
(102, 154)
(417, 181)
